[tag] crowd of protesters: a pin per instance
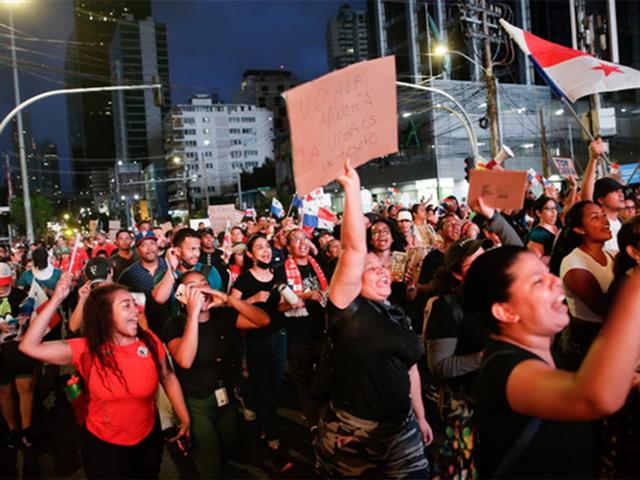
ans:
(434, 340)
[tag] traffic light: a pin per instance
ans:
(469, 164)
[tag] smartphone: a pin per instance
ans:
(181, 293)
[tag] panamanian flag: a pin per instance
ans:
(572, 73)
(323, 219)
(276, 208)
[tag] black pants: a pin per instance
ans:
(302, 358)
(106, 460)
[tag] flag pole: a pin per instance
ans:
(574, 114)
(290, 206)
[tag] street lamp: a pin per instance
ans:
(26, 196)
(492, 93)
(442, 50)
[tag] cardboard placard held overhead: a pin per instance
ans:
(503, 189)
(565, 167)
(219, 215)
(349, 113)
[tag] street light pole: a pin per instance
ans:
(26, 196)
(21, 106)
(466, 123)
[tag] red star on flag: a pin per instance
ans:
(607, 69)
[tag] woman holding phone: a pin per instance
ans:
(202, 343)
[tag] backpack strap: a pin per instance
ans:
(518, 448)
(522, 442)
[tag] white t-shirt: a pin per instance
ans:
(612, 245)
(580, 260)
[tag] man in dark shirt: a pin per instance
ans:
(307, 280)
(278, 247)
(210, 256)
(124, 257)
(139, 278)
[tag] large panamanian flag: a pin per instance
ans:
(570, 72)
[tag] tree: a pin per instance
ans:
(41, 210)
(262, 176)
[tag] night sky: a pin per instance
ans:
(211, 43)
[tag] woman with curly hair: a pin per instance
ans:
(121, 365)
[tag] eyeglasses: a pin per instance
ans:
(382, 231)
(297, 239)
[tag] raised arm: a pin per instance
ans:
(58, 352)
(604, 379)
(496, 223)
(162, 290)
(345, 284)
(183, 349)
(249, 316)
(76, 320)
(596, 149)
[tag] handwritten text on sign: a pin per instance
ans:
(504, 189)
(350, 113)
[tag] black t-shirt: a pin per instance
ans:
(431, 263)
(374, 348)
(120, 264)
(215, 361)
(249, 286)
(307, 329)
(559, 449)
(278, 256)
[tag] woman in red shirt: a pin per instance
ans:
(122, 366)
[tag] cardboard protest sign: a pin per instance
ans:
(349, 113)
(219, 215)
(114, 226)
(237, 218)
(503, 189)
(565, 167)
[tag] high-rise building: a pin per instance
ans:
(208, 145)
(42, 164)
(138, 54)
(347, 38)
(87, 65)
(264, 88)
